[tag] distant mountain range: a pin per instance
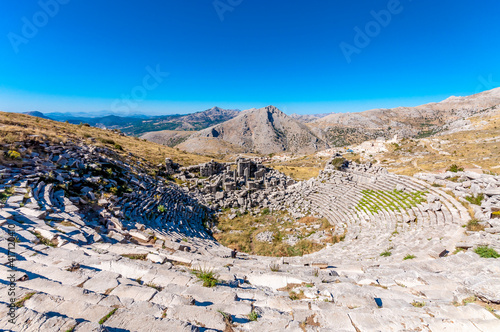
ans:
(37, 114)
(268, 130)
(140, 124)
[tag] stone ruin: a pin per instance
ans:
(243, 184)
(104, 246)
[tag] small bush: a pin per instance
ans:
(486, 252)
(118, 147)
(477, 199)
(474, 226)
(161, 209)
(409, 257)
(386, 253)
(208, 277)
(455, 168)
(337, 163)
(253, 316)
(265, 211)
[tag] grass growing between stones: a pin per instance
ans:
(9, 191)
(486, 252)
(208, 277)
(45, 241)
(477, 199)
(141, 257)
(386, 253)
(155, 286)
(417, 304)
(20, 303)
(375, 201)
(241, 232)
(474, 226)
(105, 318)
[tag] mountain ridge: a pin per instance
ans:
(265, 130)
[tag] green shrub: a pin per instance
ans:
(386, 253)
(455, 168)
(265, 211)
(475, 199)
(208, 277)
(409, 257)
(253, 316)
(486, 252)
(338, 163)
(161, 209)
(118, 147)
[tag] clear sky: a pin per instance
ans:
(177, 56)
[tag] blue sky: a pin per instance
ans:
(100, 55)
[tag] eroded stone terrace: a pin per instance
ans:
(97, 234)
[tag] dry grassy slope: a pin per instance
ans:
(16, 127)
(167, 137)
(474, 149)
(474, 146)
(350, 128)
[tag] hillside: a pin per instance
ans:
(265, 130)
(167, 137)
(421, 121)
(16, 127)
(306, 118)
